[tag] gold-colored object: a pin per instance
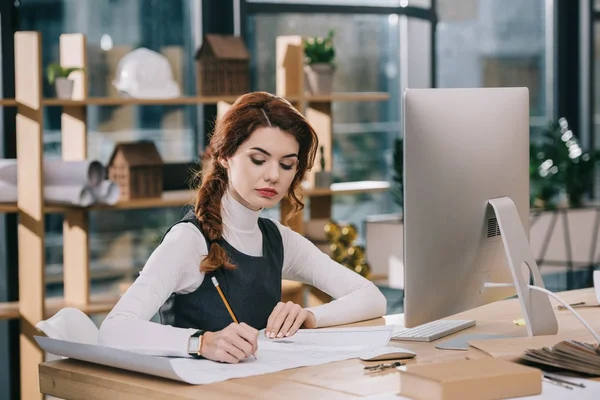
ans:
(519, 322)
(332, 231)
(356, 254)
(349, 233)
(338, 251)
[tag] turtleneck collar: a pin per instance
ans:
(236, 216)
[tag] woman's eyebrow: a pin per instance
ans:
(268, 154)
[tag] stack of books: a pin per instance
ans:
(569, 355)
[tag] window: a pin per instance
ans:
(489, 43)
(367, 58)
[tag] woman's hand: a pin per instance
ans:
(230, 345)
(287, 318)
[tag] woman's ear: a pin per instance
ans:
(224, 163)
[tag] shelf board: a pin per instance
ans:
(99, 304)
(180, 198)
(171, 198)
(8, 208)
(127, 101)
(191, 100)
(9, 310)
(8, 103)
(349, 188)
(348, 96)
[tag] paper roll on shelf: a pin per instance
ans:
(106, 193)
(73, 173)
(59, 172)
(81, 196)
(8, 193)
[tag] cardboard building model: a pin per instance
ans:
(223, 66)
(137, 168)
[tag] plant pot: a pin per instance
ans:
(323, 179)
(64, 88)
(319, 78)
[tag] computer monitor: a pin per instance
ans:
(466, 204)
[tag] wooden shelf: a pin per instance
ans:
(348, 96)
(180, 198)
(8, 103)
(349, 188)
(9, 310)
(98, 305)
(8, 208)
(125, 101)
(191, 100)
(174, 198)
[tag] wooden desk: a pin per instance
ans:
(71, 379)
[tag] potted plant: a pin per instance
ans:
(323, 179)
(59, 77)
(319, 54)
(561, 173)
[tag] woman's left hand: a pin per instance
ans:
(287, 318)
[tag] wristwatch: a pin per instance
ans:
(195, 343)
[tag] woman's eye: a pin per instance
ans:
(257, 162)
(286, 167)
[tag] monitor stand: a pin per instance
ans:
(537, 309)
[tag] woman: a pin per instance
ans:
(260, 152)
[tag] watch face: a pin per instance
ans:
(193, 345)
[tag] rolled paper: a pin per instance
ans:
(59, 172)
(8, 193)
(81, 196)
(73, 173)
(106, 193)
(8, 171)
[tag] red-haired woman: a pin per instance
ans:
(260, 150)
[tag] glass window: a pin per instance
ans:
(120, 241)
(488, 43)
(367, 58)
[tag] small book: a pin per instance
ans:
(483, 379)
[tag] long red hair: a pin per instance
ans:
(250, 112)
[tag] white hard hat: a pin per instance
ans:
(145, 74)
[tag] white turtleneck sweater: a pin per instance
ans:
(173, 267)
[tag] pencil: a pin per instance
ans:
(233, 317)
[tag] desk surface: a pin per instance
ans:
(71, 379)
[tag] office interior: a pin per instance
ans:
(382, 48)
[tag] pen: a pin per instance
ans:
(216, 283)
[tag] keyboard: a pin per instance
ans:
(433, 330)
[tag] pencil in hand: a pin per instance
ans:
(233, 317)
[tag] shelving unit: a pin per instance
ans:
(34, 305)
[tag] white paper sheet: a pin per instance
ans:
(363, 336)
(272, 355)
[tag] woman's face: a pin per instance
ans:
(263, 168)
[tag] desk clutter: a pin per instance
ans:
(568, 355)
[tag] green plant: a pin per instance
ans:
(55, 70)
(557, 165)
(319, 50)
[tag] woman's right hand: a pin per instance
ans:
(230, 345)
